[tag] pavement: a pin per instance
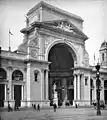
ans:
(49, 114)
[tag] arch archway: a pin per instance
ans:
(105, 91)
(62, 59)
(3, 74)
(17, 75)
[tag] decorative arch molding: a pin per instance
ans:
(70, 45)
(19, 70)
(17, 74)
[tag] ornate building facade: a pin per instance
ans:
(52, 52)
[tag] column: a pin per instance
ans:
(12, 92)
(82, 86)
(65, 89)
(10, 84)
(94, 80)
(75, 88)
(42, 85)
(78, 87)
(22, 92)
(102, 90)
(47, 91)
(5, 98)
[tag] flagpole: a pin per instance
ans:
(9, 41)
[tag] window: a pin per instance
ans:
(36, 73)
(86, 80)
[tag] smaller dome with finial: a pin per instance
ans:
(104, 44)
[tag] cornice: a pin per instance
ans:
(55, 9)
(11, 58)
(38, 61)
(82, 68)
(42, 25)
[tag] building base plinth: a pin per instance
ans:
(11, 102)
(81, 102)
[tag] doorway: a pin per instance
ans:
(105, 96)
(2, 95)
(17, 94)
(62, 58)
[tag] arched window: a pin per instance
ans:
(3, 74)
(103, 56)
(36, 75)
(17, 75)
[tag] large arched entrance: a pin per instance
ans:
(3, 77)
(61, 72)
(105, 91)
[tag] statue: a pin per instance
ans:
(55, 96)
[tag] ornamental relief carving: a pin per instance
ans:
(65, 26)
(34, 53)
(48, 40)
(34, 42)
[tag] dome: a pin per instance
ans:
(104, 44)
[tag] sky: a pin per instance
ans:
(93, 12)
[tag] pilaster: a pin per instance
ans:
(82, 86)
(46, 80)
(75, 87)
(42, 85)
(78, 86)
(102, 90)
(9, 78)
(28, 84)
(41, 48)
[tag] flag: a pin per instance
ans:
(10, 32)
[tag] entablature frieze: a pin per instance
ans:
(56, 33)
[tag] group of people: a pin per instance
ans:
(36, 107)
(33, 105)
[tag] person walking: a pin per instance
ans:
(34, 106)
(54, 106)
(38, 107)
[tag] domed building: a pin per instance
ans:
(52, 54)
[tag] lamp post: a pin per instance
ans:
(8, 91)
(98, 88)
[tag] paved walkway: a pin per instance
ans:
(60, 114)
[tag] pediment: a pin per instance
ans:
(67, 26)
